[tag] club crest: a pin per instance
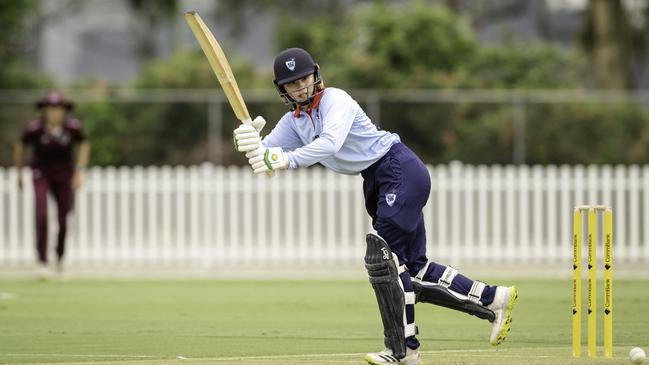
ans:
(390, 198)
(290, 64)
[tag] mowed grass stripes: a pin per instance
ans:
(278, 322)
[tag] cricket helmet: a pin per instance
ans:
(54, 98)
(293, 64)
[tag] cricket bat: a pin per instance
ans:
(219, 64)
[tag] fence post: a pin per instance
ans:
(645, 211)
(634, 217)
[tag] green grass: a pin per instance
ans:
(279, 322)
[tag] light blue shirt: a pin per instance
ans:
(337, 133)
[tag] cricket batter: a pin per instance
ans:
(327, 126)
(53, 138)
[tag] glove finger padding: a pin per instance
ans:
(248, 135)
(245, 128)
(246, 138)
(254, 153)
(247, 145)
(259, 123)
(260, 165)
(256, 159)
(248, 142)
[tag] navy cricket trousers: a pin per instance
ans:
(396, 188)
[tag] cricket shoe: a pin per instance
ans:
(502, 306)
(385, 357)
(43, 272)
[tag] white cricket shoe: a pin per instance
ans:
(43, 272)
(385, 357)
(502, 306)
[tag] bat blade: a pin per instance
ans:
(219, 64)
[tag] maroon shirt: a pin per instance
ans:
(53, 154)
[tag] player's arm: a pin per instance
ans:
(19, 159)
(28, 136)
(282, 136)
(83, 156)
(335, 128)
(336, 125)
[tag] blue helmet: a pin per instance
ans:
(293, 64)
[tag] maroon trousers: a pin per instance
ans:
(61, 190)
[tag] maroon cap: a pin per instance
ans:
(54, 98)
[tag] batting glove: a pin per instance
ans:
(264, 160)
(246, 138)
(259, 123)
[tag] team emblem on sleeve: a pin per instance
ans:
(290, 64)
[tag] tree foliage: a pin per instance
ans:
(14, 42)
(366, 45)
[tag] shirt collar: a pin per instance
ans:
(313, 105)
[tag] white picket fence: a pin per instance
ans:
(212, 216)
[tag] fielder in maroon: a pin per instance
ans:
(53, 138)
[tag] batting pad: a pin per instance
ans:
(384, 277)
(440, 295)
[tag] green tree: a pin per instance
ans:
(16, 72)
(14, 43)
(151, 15)
(607, 39)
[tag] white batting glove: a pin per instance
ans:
(259, 123)
(265, 160)
(246, 138)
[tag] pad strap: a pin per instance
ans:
(422, 272)
(475, 294)
(400, 268)
(410, 329)
(447, 277)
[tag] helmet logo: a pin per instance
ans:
(290, 64)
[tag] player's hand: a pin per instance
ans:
(77, 180)
(265, 160)
(246, 138)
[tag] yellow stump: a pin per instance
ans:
(608, 283)
(592, 282)
(577, 241)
